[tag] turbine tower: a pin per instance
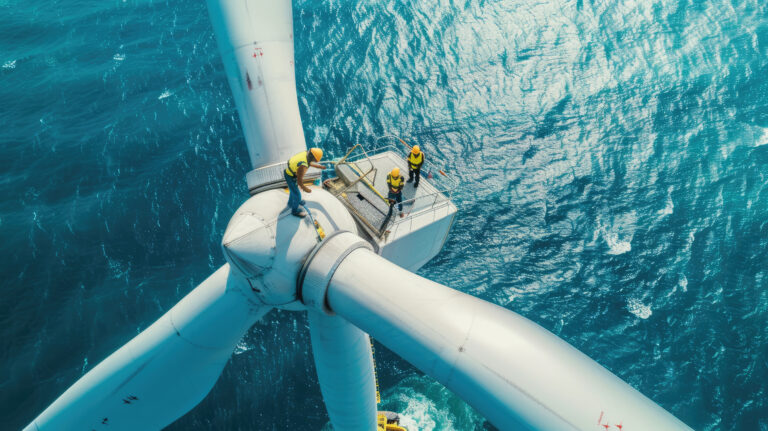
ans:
(355, 281)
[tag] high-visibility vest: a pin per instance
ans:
(299, 159)
(416, 161)
(395, 182)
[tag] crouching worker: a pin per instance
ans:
(294, 176)
(415, 160)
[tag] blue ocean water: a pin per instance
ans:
(613, 158)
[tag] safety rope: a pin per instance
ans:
(318, 229)
(365, 180)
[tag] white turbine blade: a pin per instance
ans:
(255, 39)
(344, 363)
(517, 374)
(164, 371)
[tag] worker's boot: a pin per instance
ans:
(300, 214)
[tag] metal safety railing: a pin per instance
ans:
(366, 177)
(433, 166)
(395, 224)
(362, 176)
(445, 183)
(441, 185)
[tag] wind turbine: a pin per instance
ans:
(515, 373)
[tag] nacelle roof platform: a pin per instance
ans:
(409, 241)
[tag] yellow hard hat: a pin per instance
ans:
(416, 150)
(395, 172)
(317, 153)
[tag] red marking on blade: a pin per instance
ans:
(600, 419)
(619, 426)
(257, 52)
(606, 426)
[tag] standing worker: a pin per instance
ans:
(395, 181)
(415, 160)
(294, 176)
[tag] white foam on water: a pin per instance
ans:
(636, 307)
(420, 412)
(425, 405)
(616, 245)
(418, 417)
(165, 94)
(242, 347)
(320, 133)
(669, 208)
(618, 234)
(118, 57)
(759, 142)
(10, 64)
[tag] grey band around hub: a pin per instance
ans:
(321, 263)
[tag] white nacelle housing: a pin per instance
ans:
(416, 239)
(409, 241)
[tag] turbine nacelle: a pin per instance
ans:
(267, 246)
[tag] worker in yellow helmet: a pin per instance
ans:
(294, 176)
(395, 182)
(415, 160)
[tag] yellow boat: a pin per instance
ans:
(389, 421)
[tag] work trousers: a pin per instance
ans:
(295, 198)
(397, 197)
(416, 173)
(393, 198)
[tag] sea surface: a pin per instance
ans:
(613, 158)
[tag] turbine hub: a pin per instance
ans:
(267, 245)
